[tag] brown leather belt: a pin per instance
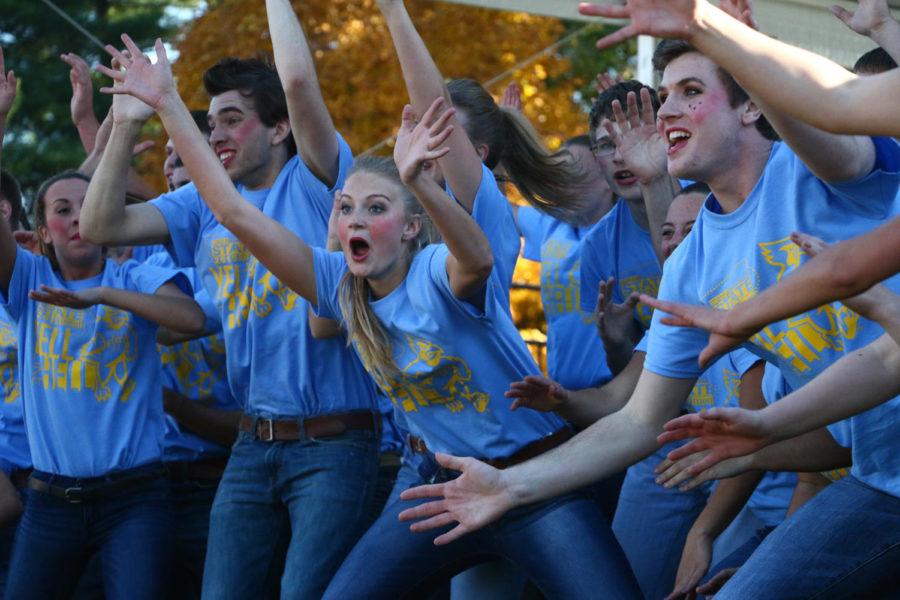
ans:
(209, 469)
(524, 453)
(292, 430)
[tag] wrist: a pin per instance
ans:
(884, 32)
(169, 103)
(103, 295)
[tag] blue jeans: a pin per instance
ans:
(844, 543)
(296, 507)
(652, 523)
(191, 505)
(564, 546)
(55, 539)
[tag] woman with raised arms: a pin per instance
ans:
(428, 324)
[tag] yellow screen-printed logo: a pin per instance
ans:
(234, 272)
(433, 378)
(60, 366)
(9, 383)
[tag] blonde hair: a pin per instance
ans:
(363, 327)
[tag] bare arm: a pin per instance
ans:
(418, 145)
(873, 19)
(808, 485)
(462, 166)
(7, 241)
(482, 494)
(287, 256)
(311, 122)
(168, 307)
(213, 424)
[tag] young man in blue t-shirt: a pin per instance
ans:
(307, 495)
(831, 186)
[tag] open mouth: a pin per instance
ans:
(225, 157)
(76, 237)
(678, 139)
(359, 249)
(625, 177)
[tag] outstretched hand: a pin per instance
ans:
(476, 498)
(72, 299)
(723, 336)
(636, 137)
(7, 89)
(82, 104)
(418, 143)
(537, 393)
(615, 322)
(137, 77)
(672, 473)
(869, 18)
(512, 97)
(661, 18)
(724, 432)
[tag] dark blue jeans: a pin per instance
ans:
(191, 505)
(296, 507)
(55, 539)
(563, 545)
(844, 543)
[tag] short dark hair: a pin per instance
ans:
(602, 106)
(668, 50)
(874, 62)
(12, 193)
(578, 140)
(255, 79)
(202, 121)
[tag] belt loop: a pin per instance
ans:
(301, 430)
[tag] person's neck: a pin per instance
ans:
(733, 184)
(638, 212)
(77, 271)
(265, 177)
(387, 283)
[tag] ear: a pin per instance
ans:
(5, 209)
(751, 113)
(483, 151)
(43, 234)
(282, 130)
(412, 228)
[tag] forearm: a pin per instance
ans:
(311, 123)
(797, 82)
(813, 451)
(853, 384)
(87, 128)
(888, 38)
(619, 351)
(838, 272)
(104, 213)
(725, 503)
(213, 424)
(587, 406)
(808, 485)
(287, 256)
(658, 193)
(608, 446)
(179, 313)
(321, 328)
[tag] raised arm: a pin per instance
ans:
(105, 219)
(311, 122)
(7, 241)
(81, 106)
(287, 256)
(483, 494)
(419, 144)
(873, 19)
(424, 83)
(785, 78)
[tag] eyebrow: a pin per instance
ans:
(57, 200)
(682, 83)
(221, 111)
(370, 196)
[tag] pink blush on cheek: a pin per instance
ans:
(711, 102)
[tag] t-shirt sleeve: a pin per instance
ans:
(313, 190)
(184, 212)
(330, 268)
(644, 343)
(22, 281)
(875, 194)
(592, 270)
(673, 351)
(439, 290)
(147, 279)
(213, 322)
(743, 360)
(529, 220)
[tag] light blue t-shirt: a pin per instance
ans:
(729, 258)
(196, 370)
(575, 355)
(275, 367)
(456, 361)
(14, 453)
(93, 401)
(493, 214)
(619, 247)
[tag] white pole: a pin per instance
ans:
(645, 46)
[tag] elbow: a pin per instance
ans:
(486, 266)
(296, 85)
(92, 232)
(194, 322)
